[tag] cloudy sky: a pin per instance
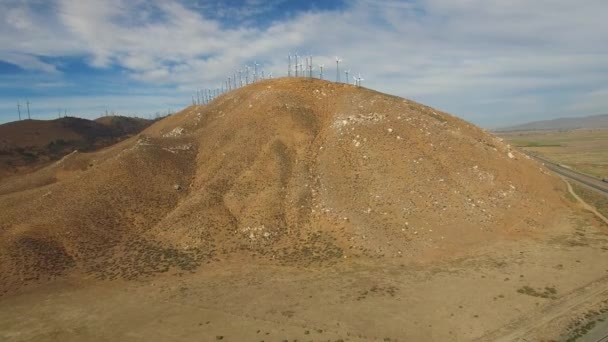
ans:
(492, 62)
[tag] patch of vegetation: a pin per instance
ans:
(547, 292)
(317, 249)
(586, 322)
(378, 291)
(28, 156)
(436, 116)
(140, 258)
(593, 198)
(520, 143)
(570, 197)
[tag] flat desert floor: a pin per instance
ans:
(549, 288)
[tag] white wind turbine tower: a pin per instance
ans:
(241, 78)
(347, 79)
(288, 65)
(321, 70)
(296, 56)
(310, 66)
(255, 71)
(247, 74)
(338, 60)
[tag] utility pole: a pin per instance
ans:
(28, 109)
(19, 110)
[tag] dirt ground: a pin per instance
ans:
(297, 209)
(508, 291)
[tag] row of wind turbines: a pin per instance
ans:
(308, 71)
(240, 78)
(295, 68)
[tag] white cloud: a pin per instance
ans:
(453, 54)
(26, 61)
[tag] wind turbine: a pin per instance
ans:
(247, 74)
(288, 65)
(359, 79)
(321, 72)
(296, 56)
(338, 60)
(347, 72)
(27, 102)
(255, 71)
(310, 66)
(19, 110)
(241, 77)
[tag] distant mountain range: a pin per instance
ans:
(587, 122)
(28, 144)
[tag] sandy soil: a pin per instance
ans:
(477, 297)
(303, 209)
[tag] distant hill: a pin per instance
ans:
(587, 122)
(28, 144)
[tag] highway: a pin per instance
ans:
(578, 177)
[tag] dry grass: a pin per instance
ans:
(592, 197)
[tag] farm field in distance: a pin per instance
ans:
(583, 150)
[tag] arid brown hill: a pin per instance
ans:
(296, 171)
(28, 144)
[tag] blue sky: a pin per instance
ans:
(492, 62)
